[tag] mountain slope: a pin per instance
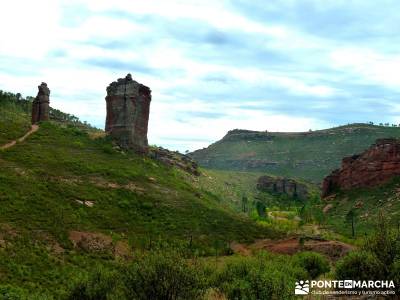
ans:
(70, 200)
(232, 186)
(365, 204)
(307, 155)
(45, 179)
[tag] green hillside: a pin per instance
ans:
(229, 185)
(14, 116)
(63, 180)
(233, 186)
(365, 204)
(82, 219)
(307, 155)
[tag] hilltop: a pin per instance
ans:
(307, 155)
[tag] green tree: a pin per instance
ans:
(244, 204)
(350, 218)
(260, 206)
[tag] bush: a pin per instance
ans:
(99, 286)
(378, 258)
(262, 277)
(384, 243)
(395, 274)
(11, 292)
(8, 292)
(360, 265)
(314, 263)
(164, 276)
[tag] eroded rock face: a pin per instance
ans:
(280, 185)
(128, 109)
(373, 167)
(41, 104)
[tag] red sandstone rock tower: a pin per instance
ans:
(128, 108)
(40, 106)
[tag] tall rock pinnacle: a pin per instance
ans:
(40, 106)
(128, 108)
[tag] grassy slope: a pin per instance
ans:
(14, 118)
(45, 176)
(367, 203)
(135, 199)
(231, 186)
(310, 155)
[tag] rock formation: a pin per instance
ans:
(373, 167)
(183, 162)
(40, 106)
(128, 108)
(280, 185)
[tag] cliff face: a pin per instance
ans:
(374, 166)
(281, 185)
(40, 106)
(128, 109)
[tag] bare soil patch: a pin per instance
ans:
(333, 249)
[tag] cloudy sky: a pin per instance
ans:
(279, 65)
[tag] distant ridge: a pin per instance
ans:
(309, 155)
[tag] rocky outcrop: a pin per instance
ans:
(375, 166)
(41, 104)
(183, 162)
(128, 108)
(281, 185)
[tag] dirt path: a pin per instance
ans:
(332, 249)
(33, 129)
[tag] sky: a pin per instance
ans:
(212, 66)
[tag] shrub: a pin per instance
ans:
(395, 274)
(384, 243)
(164, 276)
(378, 257)
(262, 277)
(107, 148)
(359, 265)
(8, 292)
(99, 285)
(314, 263)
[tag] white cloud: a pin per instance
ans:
(315, 66)
(29, 28)
(212, 129)
(369, 65)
